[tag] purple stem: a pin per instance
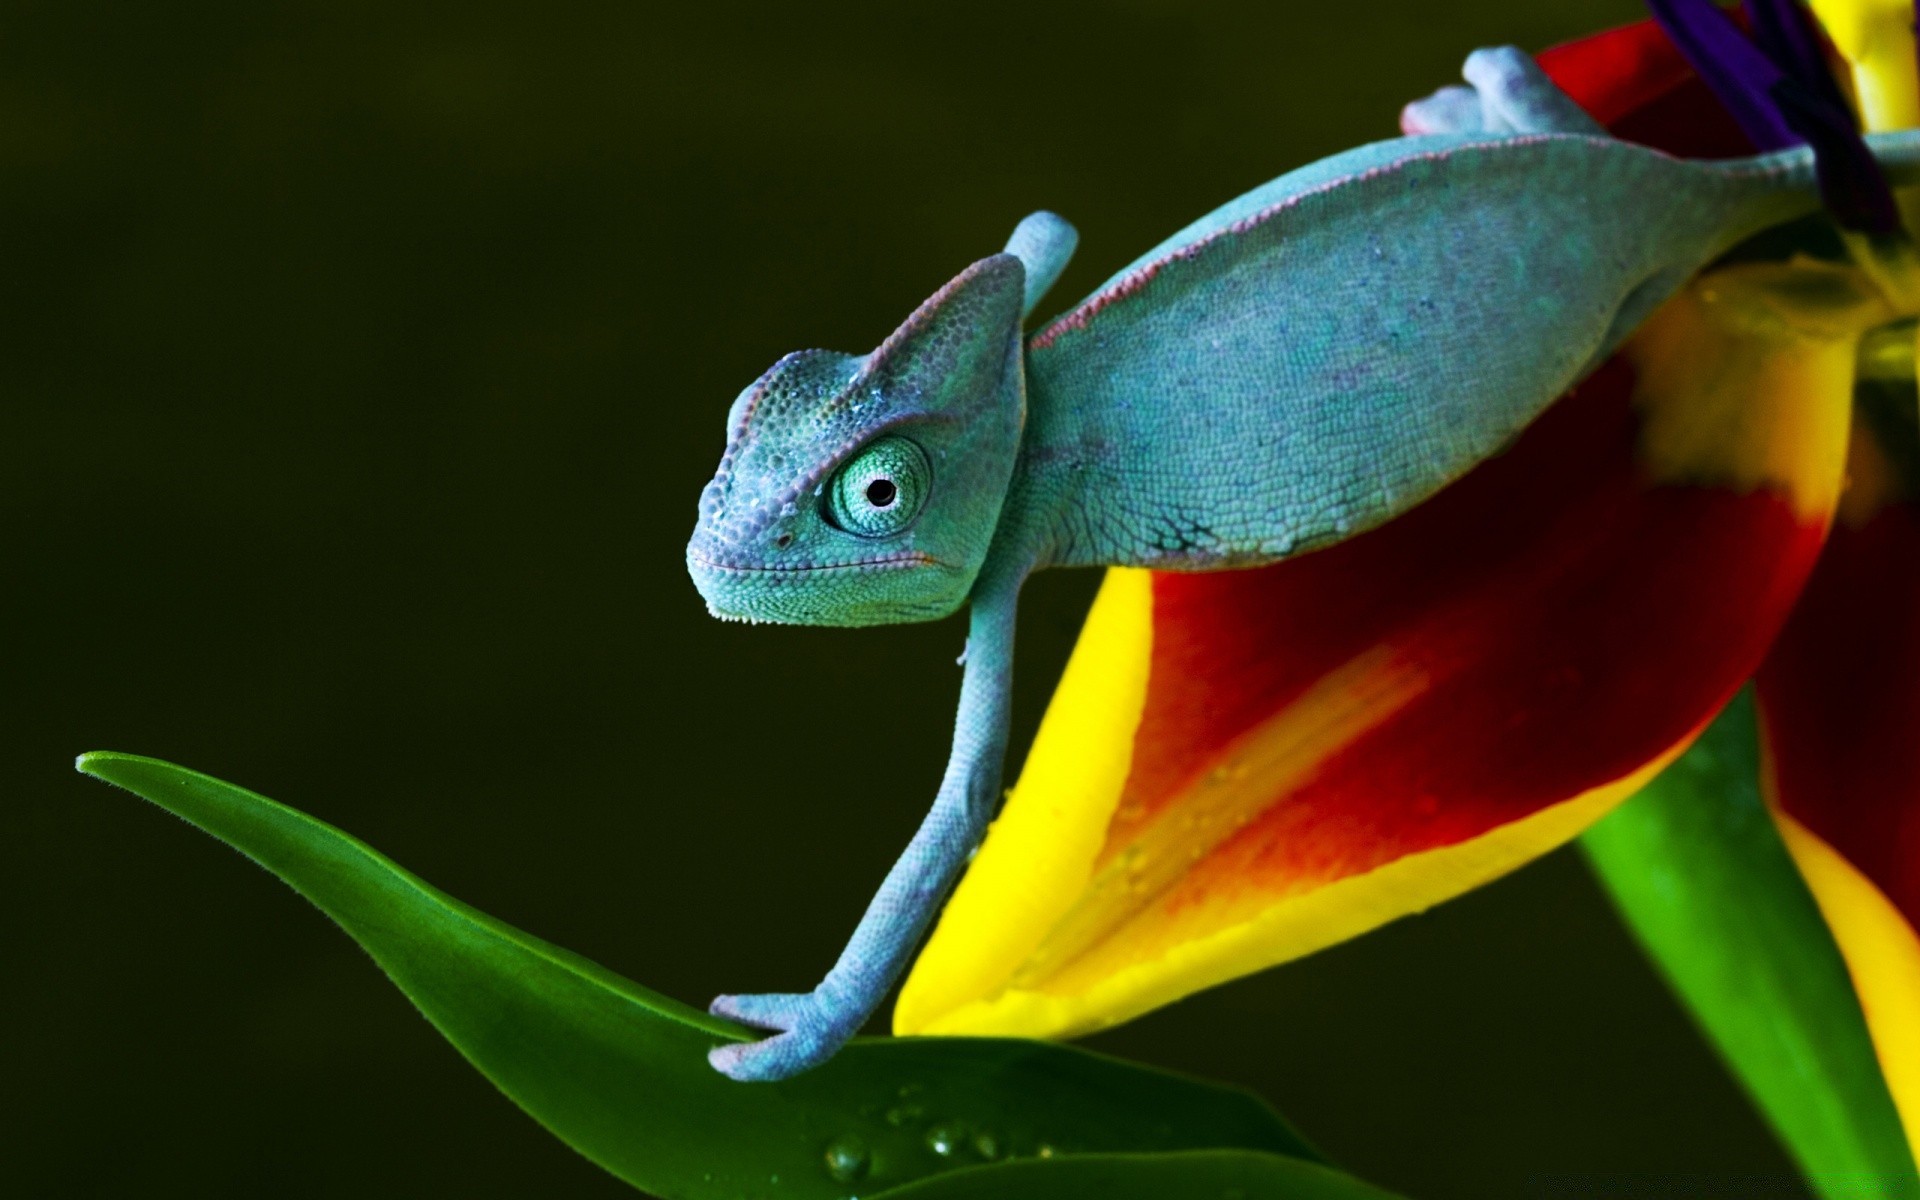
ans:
(1733, 67)
(1780, 93)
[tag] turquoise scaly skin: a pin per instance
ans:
(1298, 366)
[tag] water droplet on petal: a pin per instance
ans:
(847, 1158)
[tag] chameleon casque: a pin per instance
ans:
(1298, 366)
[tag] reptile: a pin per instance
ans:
(1296, 367)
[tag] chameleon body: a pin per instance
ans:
(1298, 366)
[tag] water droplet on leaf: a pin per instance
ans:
(847, 1158)
(904, 1114)
(946, 1138)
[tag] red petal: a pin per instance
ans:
(1633, 81)
(1568, 621)
(1241, 767)
(1841, 691)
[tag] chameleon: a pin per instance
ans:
(1296, 367)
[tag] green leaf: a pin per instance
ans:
(620, 1073)
(1225, 1174)
(1698, 870)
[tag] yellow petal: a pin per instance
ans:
(1876, 38)
(1883, 956)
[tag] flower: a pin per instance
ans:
(1239, 768)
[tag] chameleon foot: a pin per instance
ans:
(812, 1028)
(1453, 109)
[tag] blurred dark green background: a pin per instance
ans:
(362, 364)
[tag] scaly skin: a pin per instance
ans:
(1300, 365)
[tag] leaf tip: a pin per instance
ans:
(99, 763)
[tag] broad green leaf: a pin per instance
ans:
(1188, 1175)
(620, 1073)
(1696, 866)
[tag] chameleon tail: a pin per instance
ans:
(1895, 156)
(1777, 87)
(1788, 184)
(1898, 155)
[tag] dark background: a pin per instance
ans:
(362, 363)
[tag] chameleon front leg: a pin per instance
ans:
(817, 1023)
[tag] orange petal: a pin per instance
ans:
(1840, 698)
(1241, 767)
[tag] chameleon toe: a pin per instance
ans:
(777, 1057)
(776, 1010)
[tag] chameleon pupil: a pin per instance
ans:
(881, 492)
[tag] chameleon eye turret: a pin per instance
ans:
(882, 489)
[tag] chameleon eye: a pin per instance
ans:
(880, 490)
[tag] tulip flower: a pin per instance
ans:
(1239, 768)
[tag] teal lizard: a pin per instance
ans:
(1298, 366)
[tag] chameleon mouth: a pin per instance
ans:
(911, 558)
(807, 593)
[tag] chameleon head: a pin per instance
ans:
(865, 490)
